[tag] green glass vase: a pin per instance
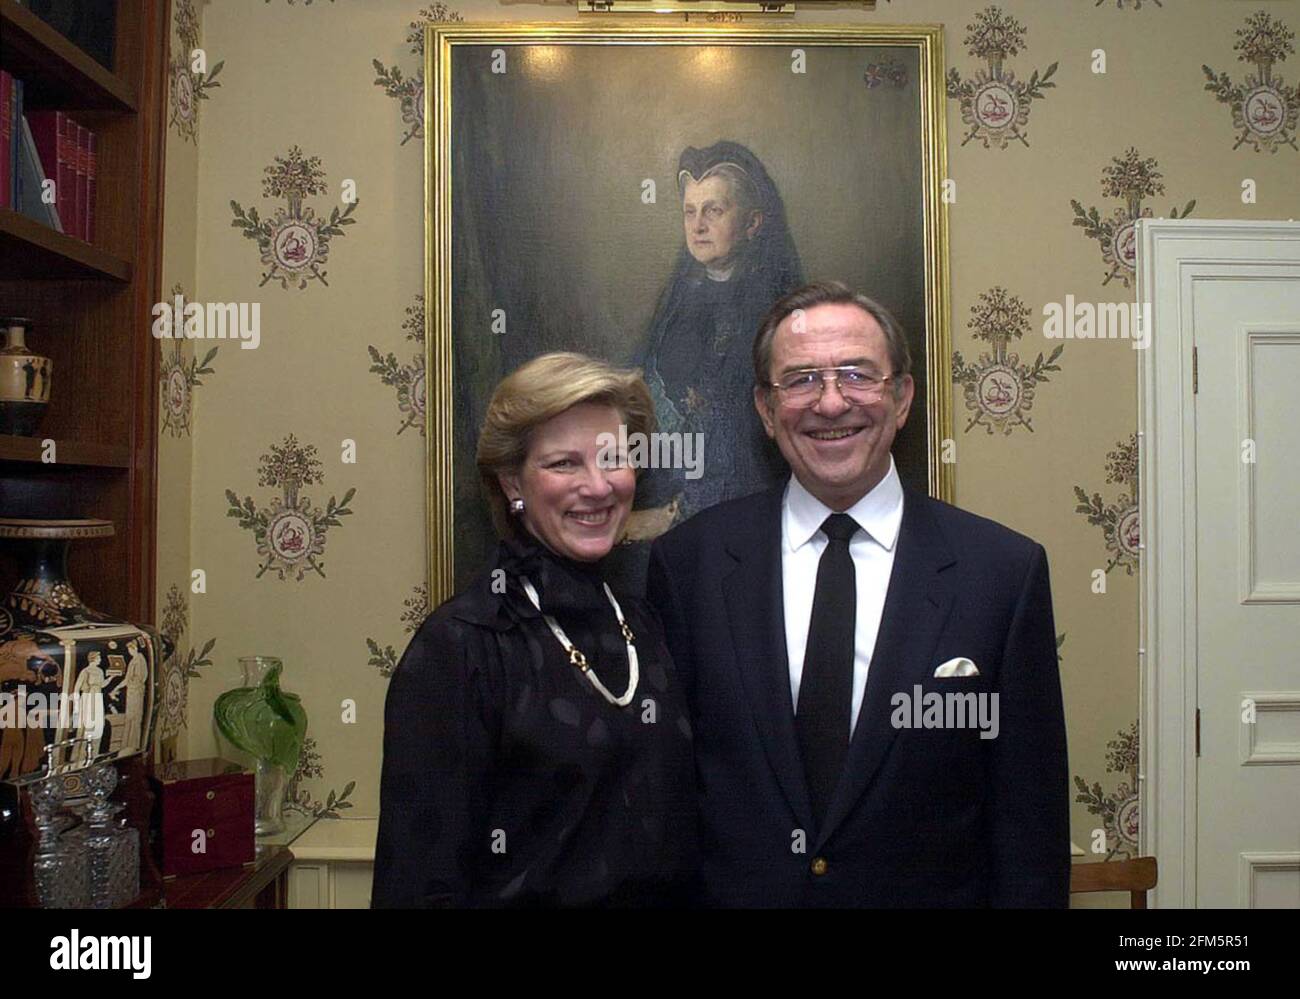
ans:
(269, 724)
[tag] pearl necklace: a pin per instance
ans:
(576, 657)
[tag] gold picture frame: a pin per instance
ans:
(907, 104)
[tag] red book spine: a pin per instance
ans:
(83, 180)
(48, 131)
(67, 189)
(91, 169)
(6, 139)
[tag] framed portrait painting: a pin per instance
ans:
(644, 193)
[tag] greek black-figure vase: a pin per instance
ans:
(25, 380)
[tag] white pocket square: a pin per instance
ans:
(957, 667)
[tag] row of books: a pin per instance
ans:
(41, 146)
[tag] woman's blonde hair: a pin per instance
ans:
(537, 391)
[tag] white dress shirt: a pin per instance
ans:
(879, 515)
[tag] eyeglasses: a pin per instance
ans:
(803, 388)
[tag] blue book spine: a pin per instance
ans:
(31, 181)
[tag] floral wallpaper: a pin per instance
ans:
(291, 480)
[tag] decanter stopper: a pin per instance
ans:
(60, 871)
(101, 781)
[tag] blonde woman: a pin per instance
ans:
(537, 750)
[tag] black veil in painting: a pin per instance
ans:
(698, 353)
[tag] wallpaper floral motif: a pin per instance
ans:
(188, 86)
(1131, 178)
(1264, 108)
(294, 241)
(409, 90)
(385, 658)
(298, 797)
(999, 388)
(179, 375)
(177, 671)
(407, 380)
(291, 532)
(1118, 809)
(1119, 520)
(994, 104)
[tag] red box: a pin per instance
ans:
(211, 795)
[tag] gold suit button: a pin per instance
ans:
(819, 866)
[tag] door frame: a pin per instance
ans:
(1170, 251)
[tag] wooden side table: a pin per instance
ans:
(261, 885)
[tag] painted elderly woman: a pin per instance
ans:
(536, 745)
(737, 258)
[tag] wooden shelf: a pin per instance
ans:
(55, 73)
(78, 453)
(29, 249)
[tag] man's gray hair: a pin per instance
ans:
(830, 293)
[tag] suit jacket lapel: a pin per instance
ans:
(917, 604)
(755, 609)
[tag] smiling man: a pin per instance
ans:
(804, 620)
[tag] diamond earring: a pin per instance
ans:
(516, 506)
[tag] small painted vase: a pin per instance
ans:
(25, 380)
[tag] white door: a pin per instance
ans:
(1237, 293)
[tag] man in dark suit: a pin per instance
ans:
(872, 673)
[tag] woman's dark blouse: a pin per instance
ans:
(508, 780)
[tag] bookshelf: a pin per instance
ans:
(91, 305)
(72, 453)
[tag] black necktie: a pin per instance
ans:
(826, 689)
